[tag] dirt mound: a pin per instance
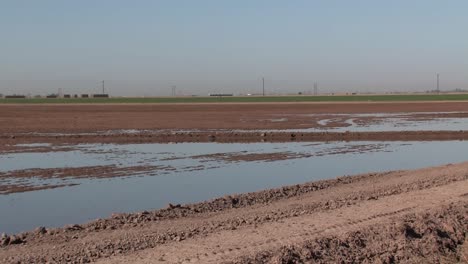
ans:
(435, 237)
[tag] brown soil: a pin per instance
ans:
(74, 124)
(74, 118)
(10, 188)
(10, 149)
(403, 216)
(229, 137)
(245, 156)
(436, 236)
(108, 171)
(14, 181)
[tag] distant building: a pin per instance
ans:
(52, 96)
(220, 94)
(85, 96)
(100, 95)
(15, 96)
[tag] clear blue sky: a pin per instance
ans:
(144, 47)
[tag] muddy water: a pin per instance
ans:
(194, 172)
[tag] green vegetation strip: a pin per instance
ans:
(247, 99)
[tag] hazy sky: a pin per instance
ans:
(143, 47)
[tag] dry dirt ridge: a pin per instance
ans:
(418, 216)
(8, 143)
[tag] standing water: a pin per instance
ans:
(190, 172)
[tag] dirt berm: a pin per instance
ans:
(418, 216)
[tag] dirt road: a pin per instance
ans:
(403, 216)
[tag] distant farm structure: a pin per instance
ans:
(100, 95)
(220, 94)
(15, 96)
(55, 96)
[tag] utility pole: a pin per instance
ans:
(315, 88)
(263, 85)
(438, 88)
(173, 90)
(103, 87)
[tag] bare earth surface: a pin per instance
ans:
(8, 142)
(146, 123)
(73, 118)
(14, 181)
(418, 216)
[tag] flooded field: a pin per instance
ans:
(326, 122)
(210, 183)
(73, 184)
(373, 122)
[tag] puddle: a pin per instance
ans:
(375, 122)
(191, 172)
